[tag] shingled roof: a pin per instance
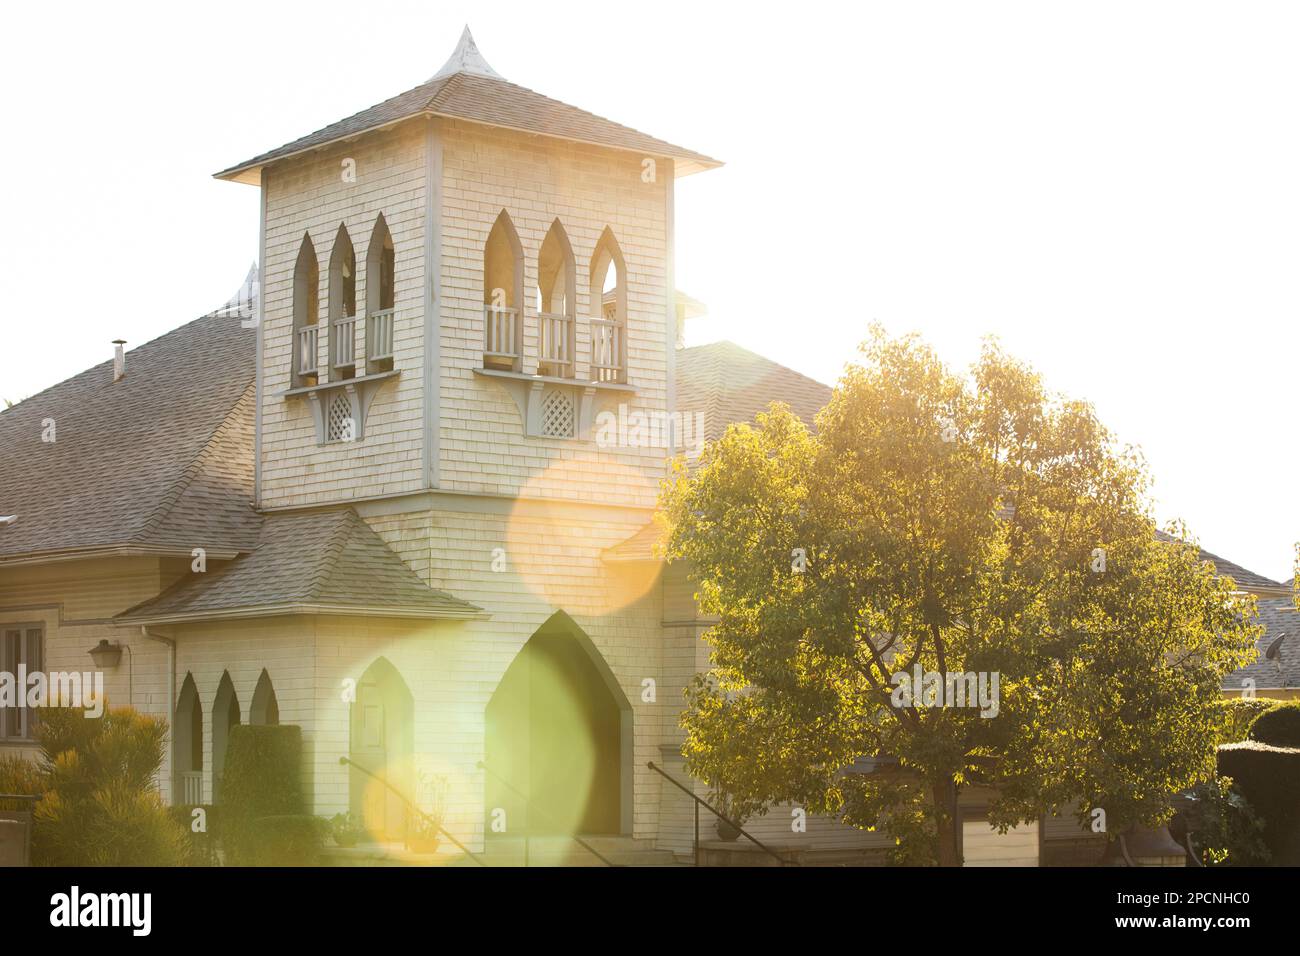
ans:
(1245, 580)
(726, 384)
(327, 562)
(729, 384)
(158, 462)
(1281, 623)
(466, 88)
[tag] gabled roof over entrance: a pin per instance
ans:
(467, 88)
(327, 562)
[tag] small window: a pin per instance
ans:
(557, 415)
(20, 647)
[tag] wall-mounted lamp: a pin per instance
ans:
(106, 655)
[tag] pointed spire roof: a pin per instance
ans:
(467, 88)
(244, 302)
(466, 59)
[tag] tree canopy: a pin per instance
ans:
(969, 524)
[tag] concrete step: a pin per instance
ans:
(565, 851)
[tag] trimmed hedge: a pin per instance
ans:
(1236, 714)
(1279, 726)
(200, 848)
(1269, 778)
(263, 778)
(290, 840)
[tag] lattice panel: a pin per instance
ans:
(557, 415)
(339, 426)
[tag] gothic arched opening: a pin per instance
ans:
(559, 739)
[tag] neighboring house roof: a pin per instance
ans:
(326, 562)
(725, 384)
(1281, 621)
(1246, 580)
(729, 384)
(466, 88)
(161, 461)
(642, 546)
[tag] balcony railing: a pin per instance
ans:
(557, 338)
(343, 342)
(379, 335)
(606, 351)
(191, 787)
(308, 344)
(499, 332)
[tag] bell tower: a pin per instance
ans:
(456, 283)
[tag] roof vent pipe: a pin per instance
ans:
(119, 360)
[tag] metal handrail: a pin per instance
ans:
(703, 803)
(401, 796)
(531, 809)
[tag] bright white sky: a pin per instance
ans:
(1111, 188)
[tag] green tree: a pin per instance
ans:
(966, 524)
(100, 805)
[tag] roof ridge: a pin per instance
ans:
(603, 119)
(333, 550)
(445, 85)
(758, 355)
(108, 363)
(195, 467)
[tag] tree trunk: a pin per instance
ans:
(945, 801)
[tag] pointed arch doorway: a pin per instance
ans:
(382, 741)
(559, 731)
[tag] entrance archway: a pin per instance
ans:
(559, 739)
(382, 741)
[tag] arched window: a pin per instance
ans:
(343, 307)
(306, 315)
(380, 297)
(265, 709)
(503, 296)
(556, 306)
(187, 745)
(225, 714)
(608, 305)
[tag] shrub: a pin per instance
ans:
(263, 778)
(1279, 726)
(100, 806)
(345, 829)
(22, 777)
(1269, 778)
(1236, 714)
(288, 840)
(1225, 830)
(200, 846)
